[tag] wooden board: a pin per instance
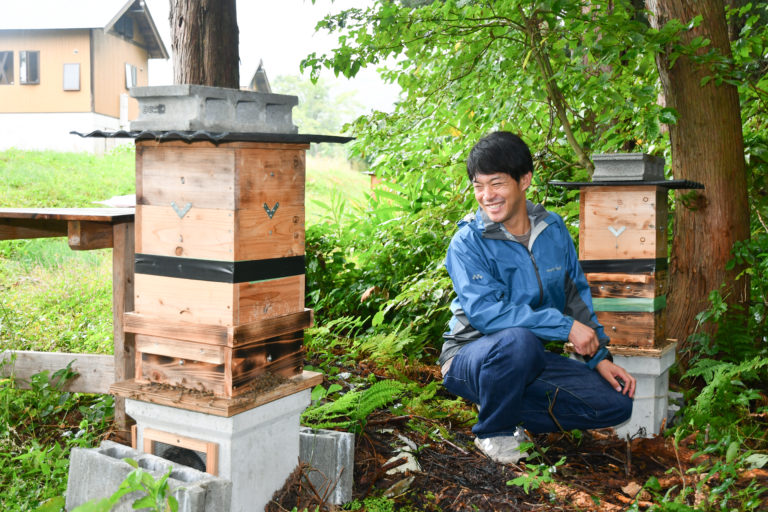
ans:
(202, 176)
(269, 299)
(269, 176)
(657, 351)
(109, 215)
(605, 285)
(221, 235)
(261, 237)
(204, 302)
(281, 355)
(623, 223)
(218, 334)
(151, 436)
(217, 406)
(19, 229)
(96, 372)
(84, 235)
(633, 329)
(201, 233)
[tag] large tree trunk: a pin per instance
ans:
(707, 147)
(205, 43)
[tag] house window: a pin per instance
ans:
(6, 68)
(130, 76)
(72, 77)
(29, 67)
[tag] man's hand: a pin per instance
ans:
(584, 339)
(613, 374)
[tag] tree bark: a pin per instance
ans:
(205, 43)
(707, 147)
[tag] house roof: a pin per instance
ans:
(82, 14)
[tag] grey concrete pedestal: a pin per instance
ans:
(257, 449)
(651, 400)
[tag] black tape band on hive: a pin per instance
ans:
(624, 266)
(219, 271)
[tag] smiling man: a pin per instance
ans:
(518, 284)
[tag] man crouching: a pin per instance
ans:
(518, 282)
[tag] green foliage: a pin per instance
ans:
(38, 427)
(536, 475)
(320, 109)
(155, 494)
(726, 397)
(351, 410)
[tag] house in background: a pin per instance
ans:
(68, 65)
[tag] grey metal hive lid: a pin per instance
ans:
(216, 137)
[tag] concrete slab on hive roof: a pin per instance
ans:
(628, 167)
(197, 107)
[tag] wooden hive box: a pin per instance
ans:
(219, 283)
(623, 251)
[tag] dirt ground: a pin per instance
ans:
(601, 472)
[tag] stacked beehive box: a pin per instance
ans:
(623, 246)
(219, 263)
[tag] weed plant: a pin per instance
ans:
(38, 428)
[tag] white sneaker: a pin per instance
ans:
(504, 449)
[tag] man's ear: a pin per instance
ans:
(525, 181)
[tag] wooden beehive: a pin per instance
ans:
(219, 283)
(623, 250)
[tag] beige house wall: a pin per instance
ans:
(111, 54)
(56, 48)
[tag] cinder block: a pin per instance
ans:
(331, 457)
(628, 167)
(257, 449)
(197, 107)
(96, 473)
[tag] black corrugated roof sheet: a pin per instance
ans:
(216, 137)
(673, 184)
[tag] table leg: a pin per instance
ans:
(122, 301)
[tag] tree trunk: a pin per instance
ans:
(707, 147)
(205, 43)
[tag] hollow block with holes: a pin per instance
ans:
(219, 283)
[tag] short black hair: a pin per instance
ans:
(500, 152)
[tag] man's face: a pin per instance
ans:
(502, 198)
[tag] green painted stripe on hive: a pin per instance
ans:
(642, 305)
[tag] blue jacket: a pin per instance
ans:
(500, 283)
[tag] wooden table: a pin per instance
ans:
(85, 229)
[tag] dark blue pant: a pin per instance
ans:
(515, 382)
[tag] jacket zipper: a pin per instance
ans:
(538, 278)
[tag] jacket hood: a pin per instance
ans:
(494, 230)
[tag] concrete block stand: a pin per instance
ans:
(257, 449)
(651, 394)
(96, 473)
(331, 458)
